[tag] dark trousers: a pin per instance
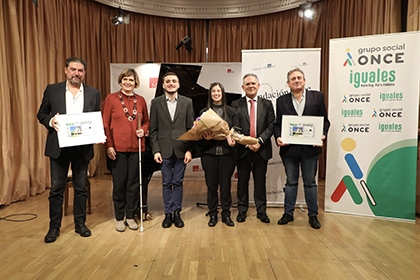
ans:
(172, 170)
(218, 170)
(255, 163)
(125, 178)
(59, 169)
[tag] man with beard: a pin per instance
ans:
(69, 97)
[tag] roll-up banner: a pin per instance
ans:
(372, 142)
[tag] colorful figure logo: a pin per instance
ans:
(375, 114)
(349, 59)
(347, 182)
(344, 128)
(344, 99)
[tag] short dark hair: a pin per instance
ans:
(294, 70)
(76, 59)
(169, 74)
(129, 72)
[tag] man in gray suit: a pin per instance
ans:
(256, 119)
(171, 115)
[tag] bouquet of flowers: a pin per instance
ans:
(210, 121)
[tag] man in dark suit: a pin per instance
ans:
(171, 115)
(69, 97)
(256, 118)
(300, 102)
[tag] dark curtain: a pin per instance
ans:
(34, 43)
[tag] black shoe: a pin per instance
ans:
(314, 222)
(177, 219)
(82, 229)
(285, 219)
(228, 221)
(167, 222)
(263, 217)
(213, 221)
(52, 235)
(241, 217)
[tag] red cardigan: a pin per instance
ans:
(120, 132)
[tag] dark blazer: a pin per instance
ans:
(53, 102)
(209, 146)
(265, 125)
(314, 106)
(164, 132)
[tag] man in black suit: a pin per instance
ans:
(256, 118)
(300, 102)
(171, 115)
(69, 97)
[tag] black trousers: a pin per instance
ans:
(59, 169)
(218, 170)
(252, 162)
(125, 178)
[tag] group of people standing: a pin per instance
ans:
(126, 120)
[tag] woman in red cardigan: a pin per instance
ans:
(121, 111)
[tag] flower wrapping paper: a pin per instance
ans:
(210, 121)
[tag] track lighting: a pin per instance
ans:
(120, 18)
(306, 11)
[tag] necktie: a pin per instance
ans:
(252, 119)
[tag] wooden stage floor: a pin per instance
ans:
(346, 247)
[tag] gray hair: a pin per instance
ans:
(294, 70)
(250, 75)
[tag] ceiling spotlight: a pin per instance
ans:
(120, 18)
(306, 11)
(185, 41)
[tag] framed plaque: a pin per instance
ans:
(80, 129)
(303, 130)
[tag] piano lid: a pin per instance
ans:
(188, 76)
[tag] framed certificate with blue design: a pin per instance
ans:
(302, 130)
(80, 129)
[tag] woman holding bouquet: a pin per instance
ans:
(120, 118)
(218, 157)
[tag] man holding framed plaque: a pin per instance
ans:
(68, 97)
(302, 146)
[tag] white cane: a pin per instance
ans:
(140, 180)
